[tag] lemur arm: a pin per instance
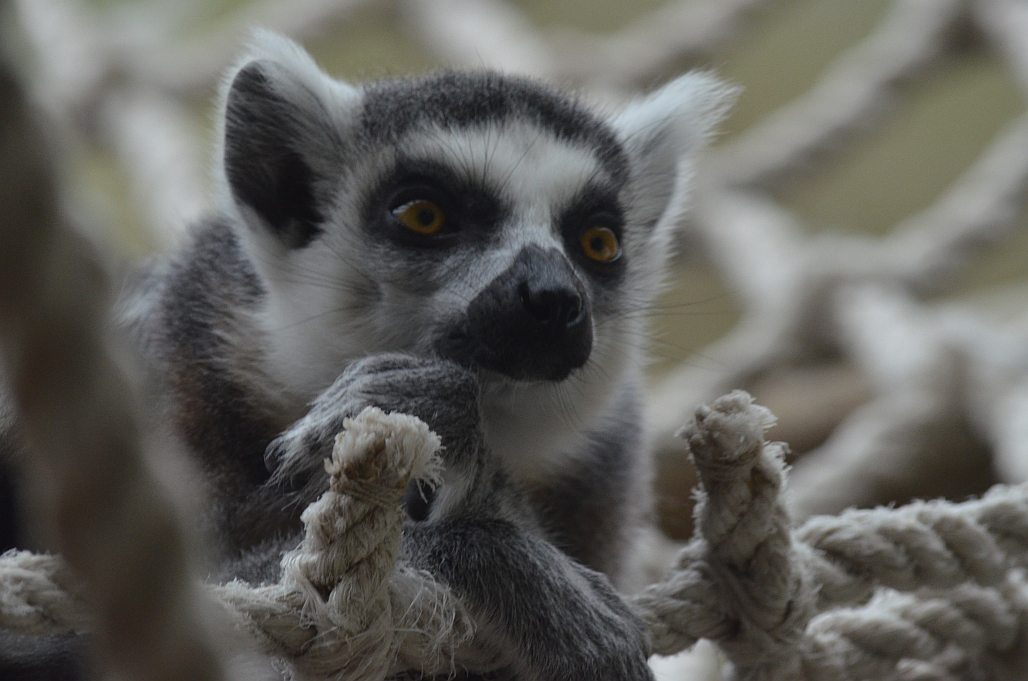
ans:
(555, 618)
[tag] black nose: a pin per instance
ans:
(533, 321)
(552, 304)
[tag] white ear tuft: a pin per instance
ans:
(687, 108)
(663, 131)
(283, 129)
(295, 77)
(266, 44)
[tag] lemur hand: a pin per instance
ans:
(552, 618)
(439, 392)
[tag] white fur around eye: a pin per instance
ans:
(533, 171)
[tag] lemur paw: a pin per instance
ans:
(439, 392)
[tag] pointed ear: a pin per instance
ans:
(283, 132)
(662, 132)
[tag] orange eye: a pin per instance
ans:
(600, 244)
(421, 216)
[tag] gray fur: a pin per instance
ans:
(302, 302)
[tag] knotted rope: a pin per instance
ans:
(744, 547)
(764, 593)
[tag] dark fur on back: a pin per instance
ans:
(193, 335)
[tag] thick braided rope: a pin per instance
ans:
(713, 592)
(748, 534)
(345, 608)
(39, 595)
(684, 607)
(923, 544)
(749, 584)
(352, 540)
(961, 634)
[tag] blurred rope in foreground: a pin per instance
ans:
(109, 517)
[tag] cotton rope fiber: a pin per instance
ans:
(935, 589)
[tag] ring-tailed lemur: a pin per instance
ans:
(473, 248)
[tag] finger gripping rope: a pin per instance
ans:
(344, 607)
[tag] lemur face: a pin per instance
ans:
(480, 217)
(497, 209)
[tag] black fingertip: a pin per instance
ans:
(417, 500)
(272, 456)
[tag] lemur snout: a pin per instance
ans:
(557, 306)
(532, 322)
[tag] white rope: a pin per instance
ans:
(344, 607)
(924, 544)
(957, 634)
(38, 595)
(744, 544)
(761, 586)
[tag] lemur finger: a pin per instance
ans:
(294, 454)
(417, 500)
(438, 392)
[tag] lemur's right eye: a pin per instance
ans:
(600, 244)
(421, 216)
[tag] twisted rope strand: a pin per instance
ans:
(684, 607)
(924, 544)
(899, 636)
(764, 582)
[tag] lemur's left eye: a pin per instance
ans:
(600, 244)
(421, 216)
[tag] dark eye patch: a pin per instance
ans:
(472, 209)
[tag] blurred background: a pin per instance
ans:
(858, 253)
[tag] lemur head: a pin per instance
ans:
(479, 216)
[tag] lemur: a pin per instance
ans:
(473, 248)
